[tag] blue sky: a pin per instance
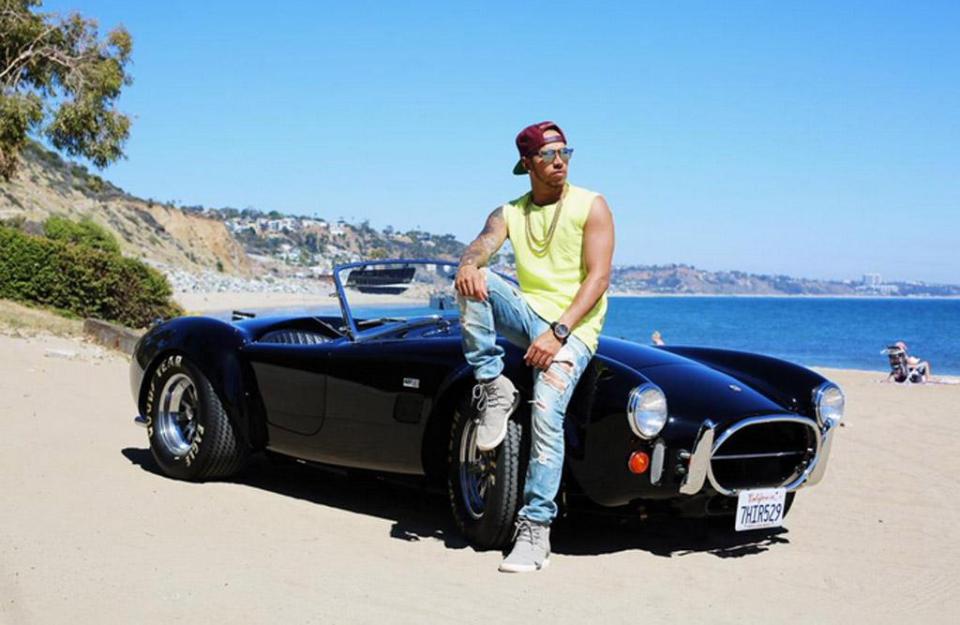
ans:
(809, 138)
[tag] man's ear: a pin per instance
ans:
(526, 162)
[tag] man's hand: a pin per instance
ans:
(542, 351)
(471, 282)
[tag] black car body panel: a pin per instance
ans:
(382, 399)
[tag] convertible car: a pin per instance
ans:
(383, 385)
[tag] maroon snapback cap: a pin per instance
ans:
(530, 140)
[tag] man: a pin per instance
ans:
(562, 238)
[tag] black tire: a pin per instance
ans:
(203, 444)
(492, 528)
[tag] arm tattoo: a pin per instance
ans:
(487, 242)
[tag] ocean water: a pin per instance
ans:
(847, 333)
(831, 332)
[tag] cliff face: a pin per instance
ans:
(684, 279)
(45, 185)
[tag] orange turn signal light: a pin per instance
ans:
(639, 462)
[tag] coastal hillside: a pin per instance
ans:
(194, 245)
(316, 244)
(679, 279)
(204, 249)
(156, 232)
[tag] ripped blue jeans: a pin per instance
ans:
(506, 313)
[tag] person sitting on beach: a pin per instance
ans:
(916, 370)
(656, 338)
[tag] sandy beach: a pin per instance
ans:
(214, 302)
(90, 532)
(207, 302)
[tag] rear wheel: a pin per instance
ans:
(484, 487)
(191, 435)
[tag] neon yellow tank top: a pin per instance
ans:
(549, 282)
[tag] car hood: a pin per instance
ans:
(636, 355)
(694, 391)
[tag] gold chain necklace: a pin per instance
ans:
(536, 245)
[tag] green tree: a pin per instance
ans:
(60, 79)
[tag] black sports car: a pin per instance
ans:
(384, 386)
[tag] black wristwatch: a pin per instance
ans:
(560, 331)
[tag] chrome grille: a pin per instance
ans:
(763, 452)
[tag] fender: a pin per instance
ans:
(450, 391)
(513, 367)
(786, 383)
(214, 347)
(597, 410)
(598, 435)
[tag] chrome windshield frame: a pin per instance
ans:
(349, 323)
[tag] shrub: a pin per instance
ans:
(85, 232)
(17, 222)
(86, 281)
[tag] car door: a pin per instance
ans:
(292, 384)
(380, 395)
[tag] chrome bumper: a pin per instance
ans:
(700, 467)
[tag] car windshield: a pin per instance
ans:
(375, 293)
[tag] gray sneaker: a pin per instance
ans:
(531, 549)
(496, 400)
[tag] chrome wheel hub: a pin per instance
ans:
(477, 471)
(177, 412)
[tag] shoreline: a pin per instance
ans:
(192, 299)
(12, 326)
(222, 303)
(948, 379)
(641, 295)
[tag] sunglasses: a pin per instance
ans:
(551, 153)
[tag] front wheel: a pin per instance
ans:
(484, 487)
(191, 435)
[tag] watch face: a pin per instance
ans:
(561, 331)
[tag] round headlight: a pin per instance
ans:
(828, 400)
(647, 410)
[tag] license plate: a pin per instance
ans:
(761, 508)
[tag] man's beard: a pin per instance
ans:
(549, 181)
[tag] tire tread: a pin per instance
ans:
(495, 529)
(227, 453)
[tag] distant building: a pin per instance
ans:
(871, 280)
